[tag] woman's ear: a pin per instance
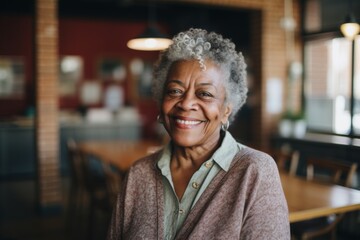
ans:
(228, 111)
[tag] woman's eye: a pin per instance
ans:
(173, 92)
(205, 94)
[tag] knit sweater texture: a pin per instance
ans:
(247, 202)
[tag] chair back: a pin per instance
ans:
(75, 164)
(334, 171)
(102, 182)
(113, 181)
(77, 195)
(287, 160)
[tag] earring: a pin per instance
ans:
(158, 119)
(225, 126)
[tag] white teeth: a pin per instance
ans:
(187, 122)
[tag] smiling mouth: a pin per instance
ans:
(187, 122)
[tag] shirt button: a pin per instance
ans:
(195, 185)
(181, 211)
(208, 164)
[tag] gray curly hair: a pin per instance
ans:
(200, 45)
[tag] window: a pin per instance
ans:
(331, 89)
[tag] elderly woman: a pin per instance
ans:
(203, 184)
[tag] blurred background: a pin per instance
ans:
(68, 77)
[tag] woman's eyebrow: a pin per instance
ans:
(205, 84)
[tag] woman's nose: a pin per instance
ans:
(188, 102)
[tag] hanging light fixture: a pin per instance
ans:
(151, 39)
(350, 28)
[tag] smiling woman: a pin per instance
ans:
(203, 183)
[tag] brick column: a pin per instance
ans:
(47, 129)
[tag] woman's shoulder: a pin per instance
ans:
(255, 159)
(254, 168)
(253, 154)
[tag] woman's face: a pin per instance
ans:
(193, 106)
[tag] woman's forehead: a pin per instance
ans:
(190, 70)
(193, 65)
(194, 61)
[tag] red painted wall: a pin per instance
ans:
(95, 39)
(90, 39)
(16, 40)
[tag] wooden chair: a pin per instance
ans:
(102, 185)
(337, 172)
(113, 180)
(287, 159)
(331, 171)
(77, 189)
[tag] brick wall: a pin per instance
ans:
(47, 129)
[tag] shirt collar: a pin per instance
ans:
(223, 156)
(164, 161)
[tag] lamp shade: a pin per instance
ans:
(150, 40)
(350, 28)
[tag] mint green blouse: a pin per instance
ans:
(177, 210)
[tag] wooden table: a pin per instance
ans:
(121, 154)
(308, 199)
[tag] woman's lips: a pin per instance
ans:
(183, 123)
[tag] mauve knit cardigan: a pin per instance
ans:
(247, 202)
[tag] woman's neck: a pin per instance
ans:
(193, 157)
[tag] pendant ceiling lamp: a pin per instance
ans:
(151, 39)
(350, 28)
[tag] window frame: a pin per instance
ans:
(325, 35)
